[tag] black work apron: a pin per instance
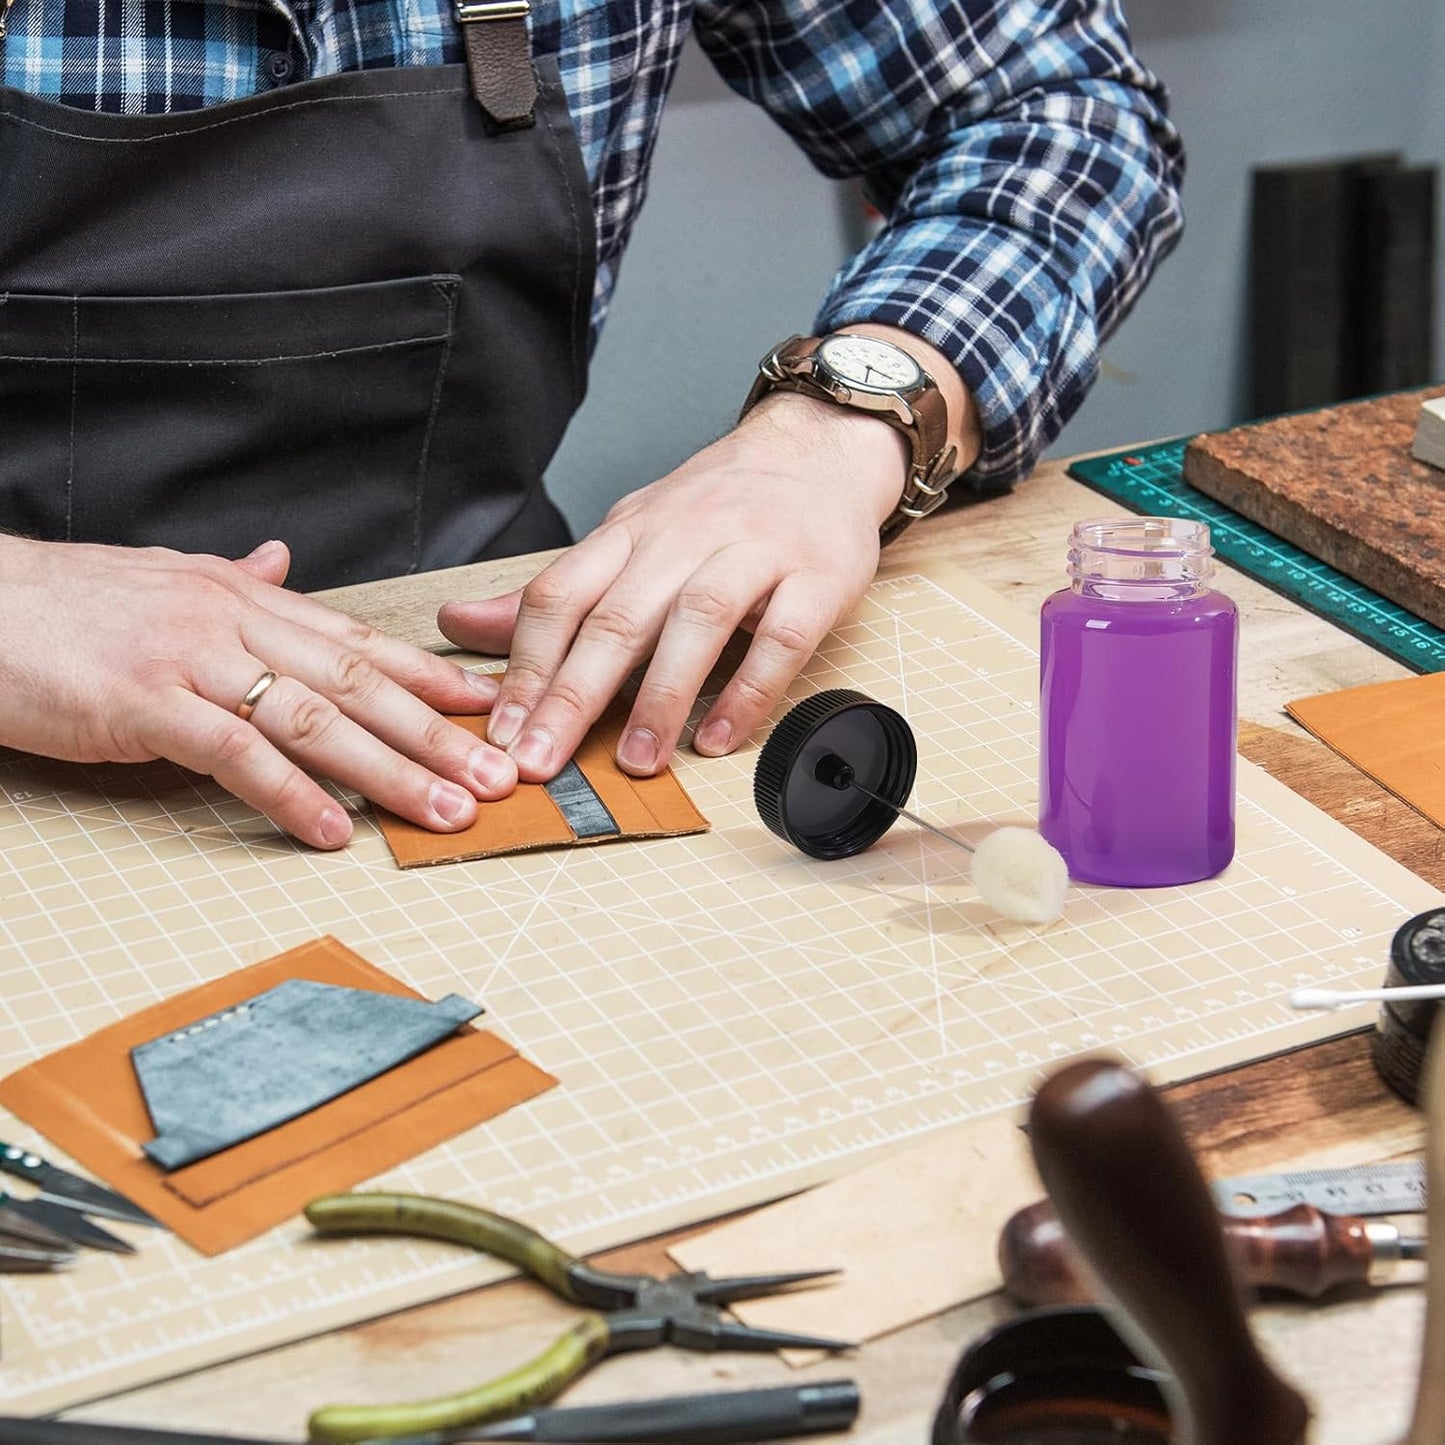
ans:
(343, 313)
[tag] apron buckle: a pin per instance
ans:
(469, 11)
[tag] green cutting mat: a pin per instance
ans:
(1151, 480)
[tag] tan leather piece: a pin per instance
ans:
(85, 1099)
(656, 807)
(1390, 730)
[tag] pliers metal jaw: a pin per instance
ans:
(630, 1312)
(684, 1310)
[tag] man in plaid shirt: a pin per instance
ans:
(1028, 175)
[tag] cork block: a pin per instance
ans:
(1342, 485)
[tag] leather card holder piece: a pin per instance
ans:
(246, 1070)
(86, 1099)
(656, 807)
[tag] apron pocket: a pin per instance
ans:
(212, 423)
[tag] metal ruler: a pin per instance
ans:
(1394, 1187)
(1151, 480)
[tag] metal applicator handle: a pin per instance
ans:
(1136, 1207)
(835, 772)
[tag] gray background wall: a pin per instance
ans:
(740, 237)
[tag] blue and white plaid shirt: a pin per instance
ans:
(1021, 154)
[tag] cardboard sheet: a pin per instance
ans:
(86, 1099)
(914, 1234)
(528, 818)
(1391, 730)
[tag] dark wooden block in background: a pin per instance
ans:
(1395, 302)
(1340, 483)
(1342, 268)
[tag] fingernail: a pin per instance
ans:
(334, 827)
(714, 737)
(506, 724)
(638, 751)
(263, 548)
(535, 750)
(491, 770)
(484, 685)
(449, 803)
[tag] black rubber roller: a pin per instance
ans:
(803, 782)
(1417, 955)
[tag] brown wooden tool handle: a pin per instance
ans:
(1136, 1207)
(1302, 1250)
(1427, 1424)
(1038, 1264)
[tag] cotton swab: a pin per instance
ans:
(1328, 998)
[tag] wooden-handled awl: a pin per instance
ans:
(1301, 1250)
(1137, 1209)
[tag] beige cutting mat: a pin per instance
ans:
(729, 1020)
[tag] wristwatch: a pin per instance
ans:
(866, 374)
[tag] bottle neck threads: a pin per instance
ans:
(1141, 559)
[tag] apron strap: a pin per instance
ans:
(499, 60)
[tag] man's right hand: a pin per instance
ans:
(113, 654)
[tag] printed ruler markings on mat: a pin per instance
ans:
(730, 1020)
(1151, 480)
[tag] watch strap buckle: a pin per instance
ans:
(927, 492)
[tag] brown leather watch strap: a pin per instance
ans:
(499, 61)
(893, 526)
(923, 422)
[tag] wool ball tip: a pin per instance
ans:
(1020, 875)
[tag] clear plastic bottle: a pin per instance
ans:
(1138, 706)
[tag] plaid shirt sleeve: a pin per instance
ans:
(1024, 163)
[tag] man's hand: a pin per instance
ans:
(773, 528)
(120, 655)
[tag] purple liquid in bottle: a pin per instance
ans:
(1138, 707)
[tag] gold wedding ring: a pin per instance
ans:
(254, 694)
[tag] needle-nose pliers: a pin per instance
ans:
(628, 1312)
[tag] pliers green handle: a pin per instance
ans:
(640, 1312)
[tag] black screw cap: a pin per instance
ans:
(832, 736)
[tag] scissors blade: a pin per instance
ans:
(23, 1256)
(69, 1225)
(18, 1223)
(70, 1191)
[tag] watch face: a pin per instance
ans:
(870, 365)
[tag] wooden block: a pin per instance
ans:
(1341, 484)
(1394, 281)
(1323, 243)
(1430, 433)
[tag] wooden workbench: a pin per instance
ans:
(1356, 1358)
